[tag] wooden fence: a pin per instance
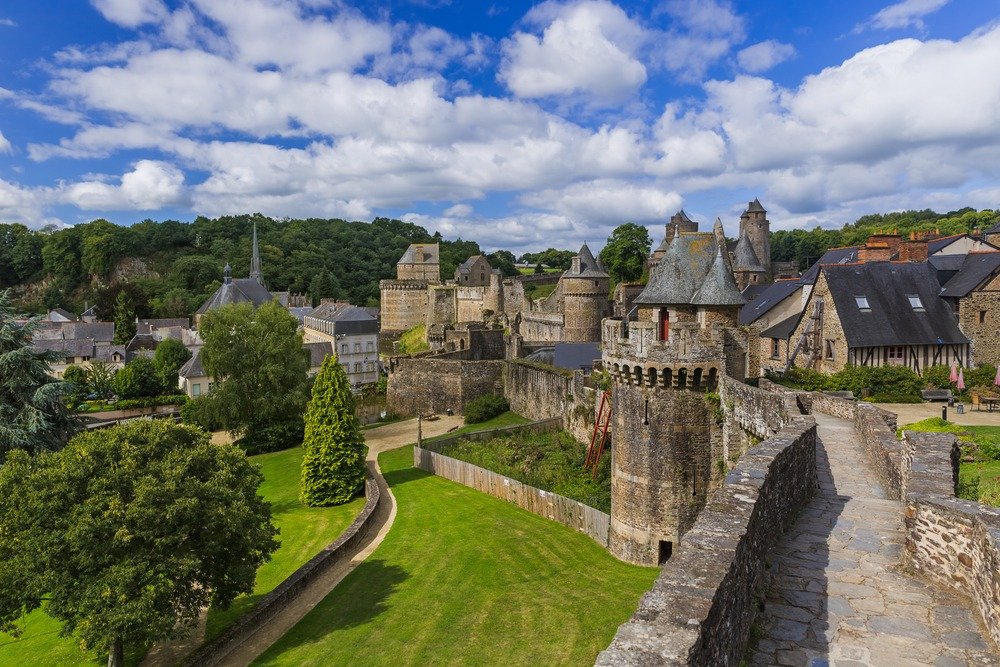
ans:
(576, 515)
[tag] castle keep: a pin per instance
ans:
(666, 435)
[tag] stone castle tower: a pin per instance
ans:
(679, 221)
(665, 434)
(755, 226)
(585, 289)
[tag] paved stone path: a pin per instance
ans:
(838, 594)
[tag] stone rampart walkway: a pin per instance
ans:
(838, 594)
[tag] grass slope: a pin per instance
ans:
(304, 531)
(414, 340)
(464, 578)
(506, 419)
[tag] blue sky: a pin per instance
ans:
(520, 125)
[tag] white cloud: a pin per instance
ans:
(9, 23)
(149, 186)
(608, 203)
(458, 211)
(701, 33)
(5, 146)
(905, 14)
(24, 205)
(587, 48)
(762, 56)
(131, 13)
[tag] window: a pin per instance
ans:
(862, 302)
(829, 349)
(895, 352)
(982, 316)
(369, 366)
(775, 348)
(915, 302)
(357, 366)
(357, 348)
(370, 347)
(343, 348)
(196, 389)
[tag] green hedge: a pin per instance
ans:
(272, 438)
(883, 384)
(485, 407)
(151, 402)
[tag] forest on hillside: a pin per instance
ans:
(167, 269)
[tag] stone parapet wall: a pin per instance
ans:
(287, 591)
(539, 392)
(432, 457)
(762, 413)
(952, 541)
(427, 385)
(883, 449)
(702, 606)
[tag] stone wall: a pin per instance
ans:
(288, 590)
(403, 304)
(985, 335)
(434, 459)
(762, 413)
(536, 391)
(703, 604)
(427, 385)
(441, 306)
(471, 303)
(542, 327)
(954, 542)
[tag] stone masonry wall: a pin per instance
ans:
(954, 542)
(702, 606)
(756, 411)
(985, 335)
(538, 392)
(403, 304)
(422, 385)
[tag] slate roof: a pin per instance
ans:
(421, 253)
(937, 245)
(752, 291)
(146, 326)
(995, 229)
(318, 352)
(347, 319)
(745, 257)
(74, 347)
(106, 353)
(845, 255)
(141, 341)
(101, 332)
(683, 216)
(238, 290)
(891, 320)
(576, 356)
(693, 264)
(755, 205)
(589, 267)
(65, 313)
(977, 267)
(193, 368)
(782, 329)
(467, 265)
(772, 295)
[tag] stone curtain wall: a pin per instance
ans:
(762, 413)
(576, 515)
(702, 605)
(428, 385)
(879, 441)
(540, 392)
(541, 426)
(952, 541)
(287, 591)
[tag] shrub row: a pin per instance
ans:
(879, 384)
(486, 407)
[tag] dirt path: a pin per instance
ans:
(379, 440)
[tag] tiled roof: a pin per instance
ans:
(421, 253)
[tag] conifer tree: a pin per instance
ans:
(124, 319)
(333, 467)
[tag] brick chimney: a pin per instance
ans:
(891, 240)
(875, 251)
(914, 250)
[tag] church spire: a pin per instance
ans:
(255, 259)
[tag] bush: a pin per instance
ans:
(198, 412)
(804, 379)
(272, 438)
(485, 407)
(936, 377)
(137, 380)
(151, 401)
(887, 384)
(77, 377)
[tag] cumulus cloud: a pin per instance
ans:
(585, 48)
(905, 14)
(150, 185)
(762, 56)
(701, 33)
(5, 146)
(131, 13)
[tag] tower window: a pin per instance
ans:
(982, 316)
(775, 348)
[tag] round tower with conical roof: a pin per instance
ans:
(585, 292)
(757, 228)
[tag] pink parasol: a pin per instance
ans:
(961, 380)
(954, 372)
(996, 380)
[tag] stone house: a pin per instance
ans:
(80, 352)
(193, 380)
(240, 290)
(974, 294)
(474, 272)
(421, 261)
(877, 313)
(353, 333)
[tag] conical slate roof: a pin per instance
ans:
(755, 206)
(745, 258)
(683, 270)
(719, 288)
(683, 216)
(589, 267)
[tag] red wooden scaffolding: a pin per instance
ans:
(599, 438)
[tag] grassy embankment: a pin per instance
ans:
(464, 578)
(979, 479)
(304, 531)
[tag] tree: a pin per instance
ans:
(169, 357)
(101, 378)
(128, 532)
(138, 379)
(33, 412)
(255, 357)
(124, 319)
(503, 260)
(626, 252)
(333, 466)
(76, 377)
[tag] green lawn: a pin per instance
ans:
(304, 531)
(414, 340)
(538, 292)
(506, 419)
(464, 578)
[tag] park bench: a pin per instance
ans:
(936, 394)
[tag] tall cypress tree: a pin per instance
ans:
(333, 468)
(33, 412)
(124, 319)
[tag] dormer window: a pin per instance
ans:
(915, 302)
(862, 302)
